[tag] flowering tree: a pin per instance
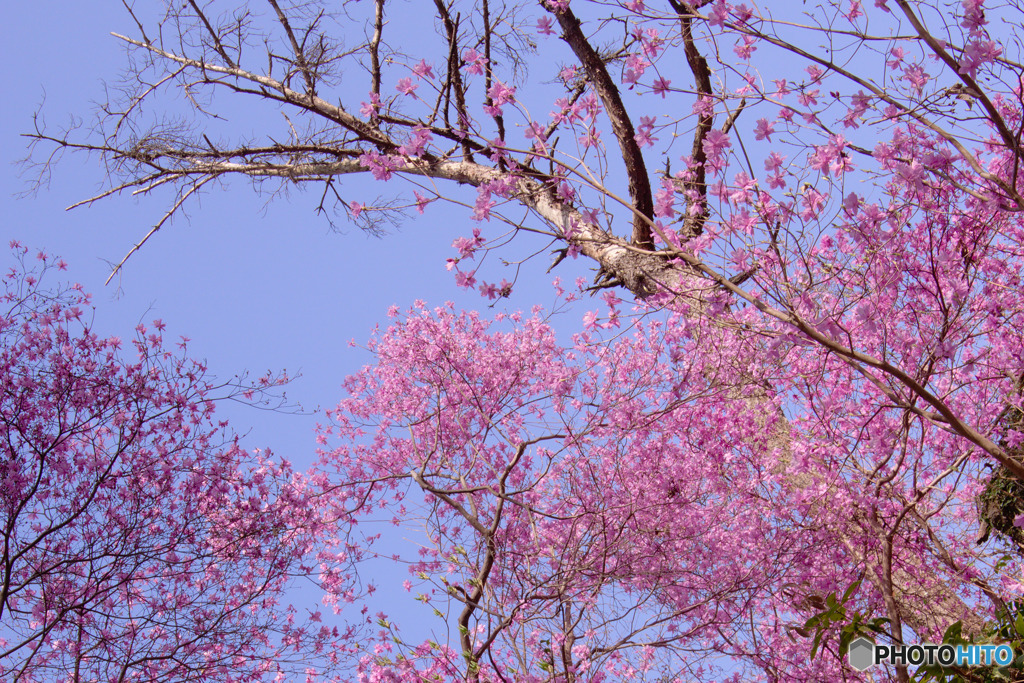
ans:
(606, 509)
(819, 215)
(140, 542)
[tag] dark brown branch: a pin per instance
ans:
(697, 185)
(455, 73)
(636, 169)
(489, 73)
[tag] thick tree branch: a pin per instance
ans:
(636, 168)
(697, 186)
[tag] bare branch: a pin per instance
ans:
(214, 35)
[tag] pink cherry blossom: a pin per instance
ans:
(423, 69)
(406, 86)
(474, 62)
(764, 129)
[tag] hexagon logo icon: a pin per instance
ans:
(861, 654)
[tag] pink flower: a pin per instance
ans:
(380, 165)
(500, 94)
(417, 143)
(423, 70)
(544, 26)
(704, 106)
(465, 280)
(851, 203)
(808, 98)
(916, 76)
(897, 58)
(635, 68)
(372, 107)
(974, 15)
(592, 137)
(651, 41)
(744, 188)
(719, 14)
(774, 162)
(914, 174)
(406, 86)
(743, 222)
(664, 200)
(482, 207)
(661, 86)
(715, 144)
(535, 132)
(467, 246)
(812, 201)
(474, 62)
(492, 291)
(421, 201)
(764, 130)
(976, 53)
(489, 290)
(821, 159)
(643, 134)
(565, 192)
(745, 48)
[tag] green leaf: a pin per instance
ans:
(953, 634)
(817, 642)
(845, 638)
(812, 622)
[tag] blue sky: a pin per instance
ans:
(255, 284)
